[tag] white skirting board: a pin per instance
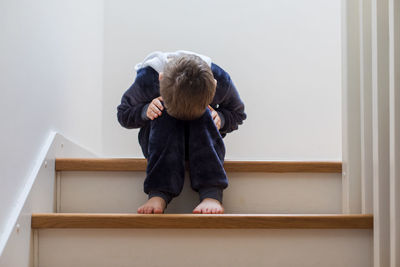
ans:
(205, 247)
(38, 196)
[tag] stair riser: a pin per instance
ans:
(122, 192)
(207, 247)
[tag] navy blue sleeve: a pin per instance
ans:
(143, 91)
(232, 109)
(229, 103)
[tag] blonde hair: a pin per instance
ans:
(187, 87)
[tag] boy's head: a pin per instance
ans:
(187, 87)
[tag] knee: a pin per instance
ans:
(207, 115)
(205, 124)
(163, 118)
(165, 131)
(163, 123)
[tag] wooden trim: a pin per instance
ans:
(100, 164)
(137, 164)
(199, 221)
(283, 166)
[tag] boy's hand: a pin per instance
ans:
(155, 108)
(215, 117)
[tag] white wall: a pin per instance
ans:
(51, 55)
(284, 56)
(21, 247)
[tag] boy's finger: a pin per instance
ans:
(158, 104)
(155, 115)
(151, 109)
(151, 114)
(217, 123)
(210, 108)
(155, 109)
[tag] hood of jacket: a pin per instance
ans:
(157, 60)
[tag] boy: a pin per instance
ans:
(184, 105)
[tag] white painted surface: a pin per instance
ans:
(38, 196)
(122, 192)
(351, 107)
(379, 137)
(381, 131)
(51, 79)
(284, 57)
(366, 107)
(211, 247)
(394, 57)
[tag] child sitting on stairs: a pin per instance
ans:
(184, 105)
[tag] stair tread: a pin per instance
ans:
(199, 221)
(139, 164)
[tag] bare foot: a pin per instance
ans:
(153, 205)
(209, 206)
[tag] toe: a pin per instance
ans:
(158, 210)
(197, 210)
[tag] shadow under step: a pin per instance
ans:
(202, 221)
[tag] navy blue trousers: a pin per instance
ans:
(168, 142)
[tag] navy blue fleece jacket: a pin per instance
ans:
(146, 87)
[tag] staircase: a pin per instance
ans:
(276, 214)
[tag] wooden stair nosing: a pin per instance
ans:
(138, 164)
(202, 221)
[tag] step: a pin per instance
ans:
(203, 240)
(116, 186)
(137, 164)
(200, 221)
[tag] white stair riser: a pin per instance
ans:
(122, 192)
(204, 247)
